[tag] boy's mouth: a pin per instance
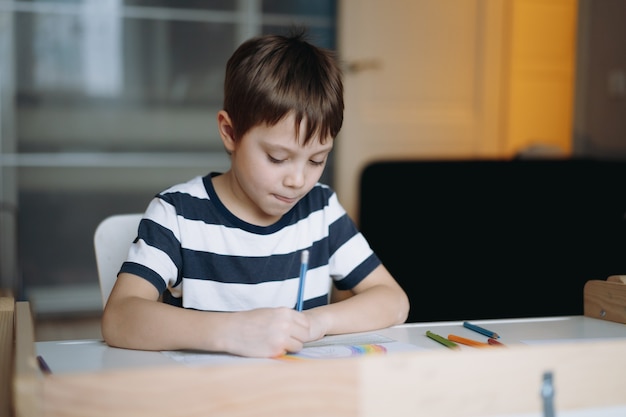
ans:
(285, 199)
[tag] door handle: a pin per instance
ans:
(360, 65)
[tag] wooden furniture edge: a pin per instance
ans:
(27, 378)
(7, 312)
(497, 381)
(434, 383)
(307, 388)
(606, 300)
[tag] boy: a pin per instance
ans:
(227, 247)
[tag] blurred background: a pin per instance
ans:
(104, 103)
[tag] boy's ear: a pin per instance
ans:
(225, 127)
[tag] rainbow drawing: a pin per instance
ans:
(335, 351)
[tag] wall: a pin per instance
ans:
(600, 117)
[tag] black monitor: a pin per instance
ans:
(480, 239)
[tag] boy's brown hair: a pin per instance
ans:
(270, 76)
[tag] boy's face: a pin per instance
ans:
(274, 171)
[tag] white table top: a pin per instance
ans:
(70, 356)
(513, 331)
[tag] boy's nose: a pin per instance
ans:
(296, 177)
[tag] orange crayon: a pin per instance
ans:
(465, 341)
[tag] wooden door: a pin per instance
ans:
(451, 79)
(422, 81)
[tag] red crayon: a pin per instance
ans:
(494, 342)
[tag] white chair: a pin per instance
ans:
(111, 240)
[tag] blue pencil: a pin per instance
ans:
(480, 330)
(304, 264)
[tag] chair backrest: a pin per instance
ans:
(111, 240)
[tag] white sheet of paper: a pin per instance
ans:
(331, 347)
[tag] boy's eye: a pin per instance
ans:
(280, 161)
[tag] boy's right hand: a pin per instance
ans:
(266, 332)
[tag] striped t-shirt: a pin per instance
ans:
(199, 255)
